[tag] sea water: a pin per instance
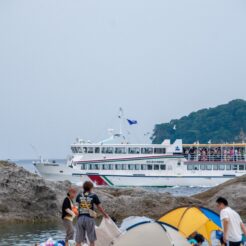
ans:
(29, 234)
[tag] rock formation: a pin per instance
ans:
(27, 197)
(234, 190)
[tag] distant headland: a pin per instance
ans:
(222, 124)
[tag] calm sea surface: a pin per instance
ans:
(29, 234)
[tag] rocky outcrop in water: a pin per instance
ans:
(122, 203)
(26, 197)
(234, 190)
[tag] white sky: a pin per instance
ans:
(67, 66)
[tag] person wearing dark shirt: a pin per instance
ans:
(196, 239)
(87, 201)
(68, 215)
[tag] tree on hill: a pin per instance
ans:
(223, 124)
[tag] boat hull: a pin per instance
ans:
(58, 172)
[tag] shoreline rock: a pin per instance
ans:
(27, 197)
(234, 190)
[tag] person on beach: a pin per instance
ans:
(85, 227)
(68, 214)
(232, 224)
(196, 239)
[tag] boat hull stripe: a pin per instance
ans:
(109, 182)
(98, 180)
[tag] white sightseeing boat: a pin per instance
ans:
(115, 162)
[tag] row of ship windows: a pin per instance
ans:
(240, 167)
(122, 167)
(118, 150)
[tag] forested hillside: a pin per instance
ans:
(224, 123)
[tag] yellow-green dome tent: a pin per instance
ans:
(193, 219)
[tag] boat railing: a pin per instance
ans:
(215, 158)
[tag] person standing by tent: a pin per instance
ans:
(68, 215)
(232, 224)
(86, 221)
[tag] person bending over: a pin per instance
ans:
(87, 201)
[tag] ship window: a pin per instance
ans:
(156, 167)
(106, 166)
(137, 167)
(94, 166)
(159, 150)
(228, 167)
(108, 150)
(84, 150)
(163, 167)
(133, 150)
(97, 150)
(78, 149)
(196, 167)
(241, 167)
(202, 167)
(118, 167)
(83, 166)
(234, 167)
(131, 167)
(189, 167)
(74, 150)
(124, 167)
(147, 150)
(215, 167)
(208, 167)
(149, 167)
(222, 167)
(90, 150)
(120, 150)
(143, 167)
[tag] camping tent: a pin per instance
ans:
(133, 220)
(193, 219)
(106, 232)
(151, 233)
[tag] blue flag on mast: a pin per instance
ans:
(131, 122)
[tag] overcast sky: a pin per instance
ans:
(67, 66)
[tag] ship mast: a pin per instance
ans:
(121, 116)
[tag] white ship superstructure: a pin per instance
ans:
(115, 162)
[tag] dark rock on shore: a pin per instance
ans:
(27, 197)
(234, 190)
(122, 203)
